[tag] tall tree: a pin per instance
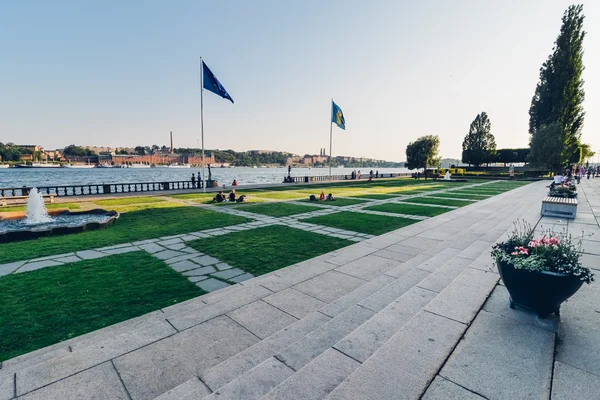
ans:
(479, 145)
(546, 147)
(559, 95)
(423, 152)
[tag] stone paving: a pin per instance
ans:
(380, 319)
(205, 271)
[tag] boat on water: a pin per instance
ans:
(79, 166)
(179, 165)
(105, 165)
(140, 166)
(4, 165)
(38, 165)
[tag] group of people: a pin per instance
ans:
(322, 197)
(577, 173)
(194, 180)
(232, 197)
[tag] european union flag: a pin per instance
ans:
(211, 83)
(337, 116)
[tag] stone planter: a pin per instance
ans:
(539, 291)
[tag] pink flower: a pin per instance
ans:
(514, 253)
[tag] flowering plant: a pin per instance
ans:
(553, 252)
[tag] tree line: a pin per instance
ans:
(556, 114)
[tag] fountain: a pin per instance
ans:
(36, 209)
(447, 176)
(36, 221)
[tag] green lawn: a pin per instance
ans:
(457, 195)
(441, 202)
(122, 201)
(360, 222)
(339, 202)
(138, 225)
(54, 206)
(409, 209)
(267, 249)
(46, 306)
(376, 196)
(278, 209)
(470, 194)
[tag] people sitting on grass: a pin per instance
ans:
(220, 197)
(232, 196)
(330, 197)
(242, 198)
(322, 196)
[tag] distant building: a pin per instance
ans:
(26, 157)
(32, 147)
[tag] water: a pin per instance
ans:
(19, 177)
(58, 220)
(36, 209)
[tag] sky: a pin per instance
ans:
(126, 73)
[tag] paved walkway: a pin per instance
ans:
(380, 319)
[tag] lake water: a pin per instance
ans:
(33, 177)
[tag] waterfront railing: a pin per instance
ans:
(112, 188)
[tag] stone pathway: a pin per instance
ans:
(374, 320)
(202, 269)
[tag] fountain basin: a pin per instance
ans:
(14, 227)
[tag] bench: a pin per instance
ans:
(18, 200)
(553, 206)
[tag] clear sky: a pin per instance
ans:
(123, 73)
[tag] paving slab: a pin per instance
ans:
(306, 349)
(445, 274)
(100, 382)
(230, 273)
(182, 257)
(255, 383)
(241, 278)
(351, 253)
(167, 254)
(196, 279)
(151, 247)
(329, 286)
(366, 339)
(9, 268)
(294, 302)
(68, 259)
(190, 390)
(368, 267)
(122, 250)
(382, 298)
(438, 259)
(295, 274)
(90, 254)
(244, 361)
(261, 318)
(98, 350)
(222, 266)
(206, 260)
(317, 379)
(7, 386)
(571, 383)
(403, 367)
(199, 271)
(37, 265)
(443, 389)
(211, 284)
(184, 265)
(162, 366)
(497, 350)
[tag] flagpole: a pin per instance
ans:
(202, 120)
(330, 138)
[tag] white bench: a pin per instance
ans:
(559, 207)
(17, 200)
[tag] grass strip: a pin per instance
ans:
(137, 225)
(279, 209)
(409, 209)
(267, 249)
(361, 222)
(53, 304)
(440, 202)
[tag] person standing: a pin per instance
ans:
(193, 180)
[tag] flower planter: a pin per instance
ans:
(540, 291)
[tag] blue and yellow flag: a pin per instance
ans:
(337, 116)
(212, 84)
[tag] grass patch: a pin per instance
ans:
(137, 225)
(267, 249)
(53, 206)
(409, 209)
(138, 207)
(278, 209)
(441, 202)
(377, 196)
(123, 201)
(456, 195)
(360, 222)
(281, 195)
(53, 304)
(339, 202)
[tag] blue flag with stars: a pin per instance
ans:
(337, 116)
(212, 84)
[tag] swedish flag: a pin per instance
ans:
(337, 116)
